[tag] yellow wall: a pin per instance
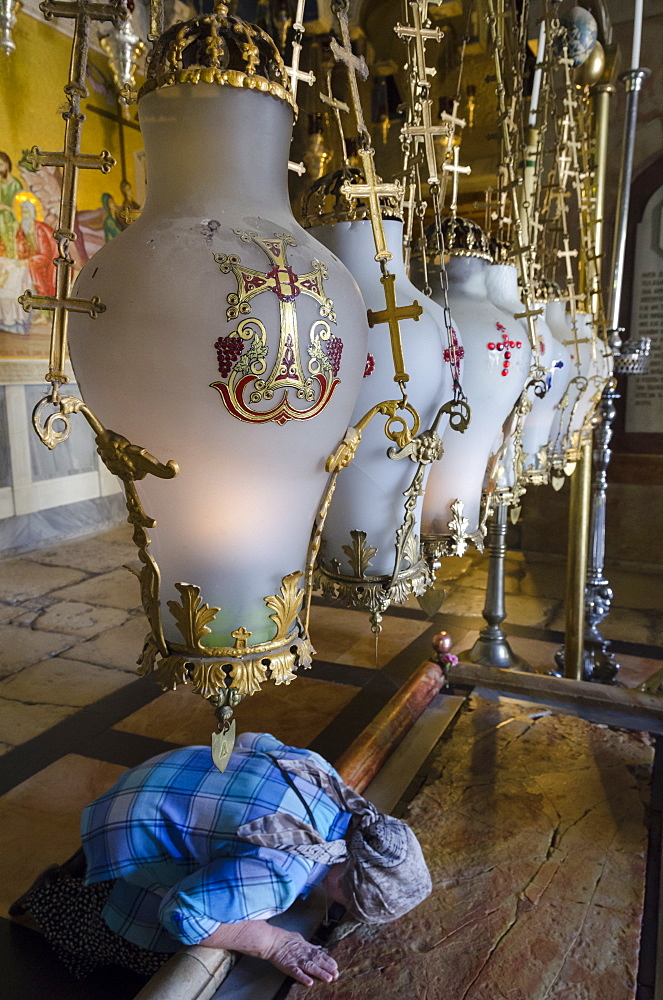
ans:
(31, 92)
(32, 79)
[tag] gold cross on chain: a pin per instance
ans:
(391, 315)
(71, 160)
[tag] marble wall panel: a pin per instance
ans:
(78, 454)
(5, 463)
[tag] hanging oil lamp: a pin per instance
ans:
(559, 369)
(370, 555)
(233, 343)
(497, 361)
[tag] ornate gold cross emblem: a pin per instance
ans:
(246, 373)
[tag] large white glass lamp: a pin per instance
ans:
(496, 364)
(233, 343)
(592, 367)
(370, 554)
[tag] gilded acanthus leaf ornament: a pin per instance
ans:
(172, 670)
(248, 676)
(285, 605)
(192, 616)
(280, 668)
(458, 526)
(360, 555)
(208, 677)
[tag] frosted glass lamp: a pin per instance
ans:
(496, 363)
(591, 366)
(233, 343)
(371, 556)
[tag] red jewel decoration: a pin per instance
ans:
(370, 365)
(506, 346)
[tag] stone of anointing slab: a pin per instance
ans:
(534, 831)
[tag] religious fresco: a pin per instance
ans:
(30, 85)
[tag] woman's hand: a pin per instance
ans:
(287, 950)
(300, 959)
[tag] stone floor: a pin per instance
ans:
(538, 875)
(73, 715)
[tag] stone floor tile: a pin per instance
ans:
(633, 670)
(521, 610)
(334, 630)
(79, 619)
(8, 612)
(21, 579)
(116, 647)
(543, 580)
(61, 681)
(294, 713)
(119, 589)
(20, 722)
(642, 591)
(40, 819)
(477, 579)
(464, 602)
(630, 626)
(454, 567)
(96, 554)
(534, 831)
(395, 635)
(21, 647)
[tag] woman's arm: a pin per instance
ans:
(287, 950)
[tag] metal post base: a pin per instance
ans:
(598, 665)
(492, 648)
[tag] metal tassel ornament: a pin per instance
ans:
(8, 11)
(123, 48)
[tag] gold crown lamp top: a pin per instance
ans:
(325, 202)
(546, 291)
(500, 251)
(218, 48)
(464, 238)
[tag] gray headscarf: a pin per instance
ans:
(385, 874)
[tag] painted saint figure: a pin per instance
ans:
(35, 243)
(178, 853)
(9, 188)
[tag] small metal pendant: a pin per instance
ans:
(557, 481)
(515, 515)
(222, 747)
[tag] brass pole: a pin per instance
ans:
(602, 94)
(576, 564)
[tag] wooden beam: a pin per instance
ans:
(630, 705)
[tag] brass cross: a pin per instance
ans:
(372, 190)
(420, 34)
(71, 160)
(455, 170)
(354, 64)
(391, 315)
(337, 106)
(426, 130)
(294, 71)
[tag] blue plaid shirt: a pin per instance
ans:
(166, 831)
